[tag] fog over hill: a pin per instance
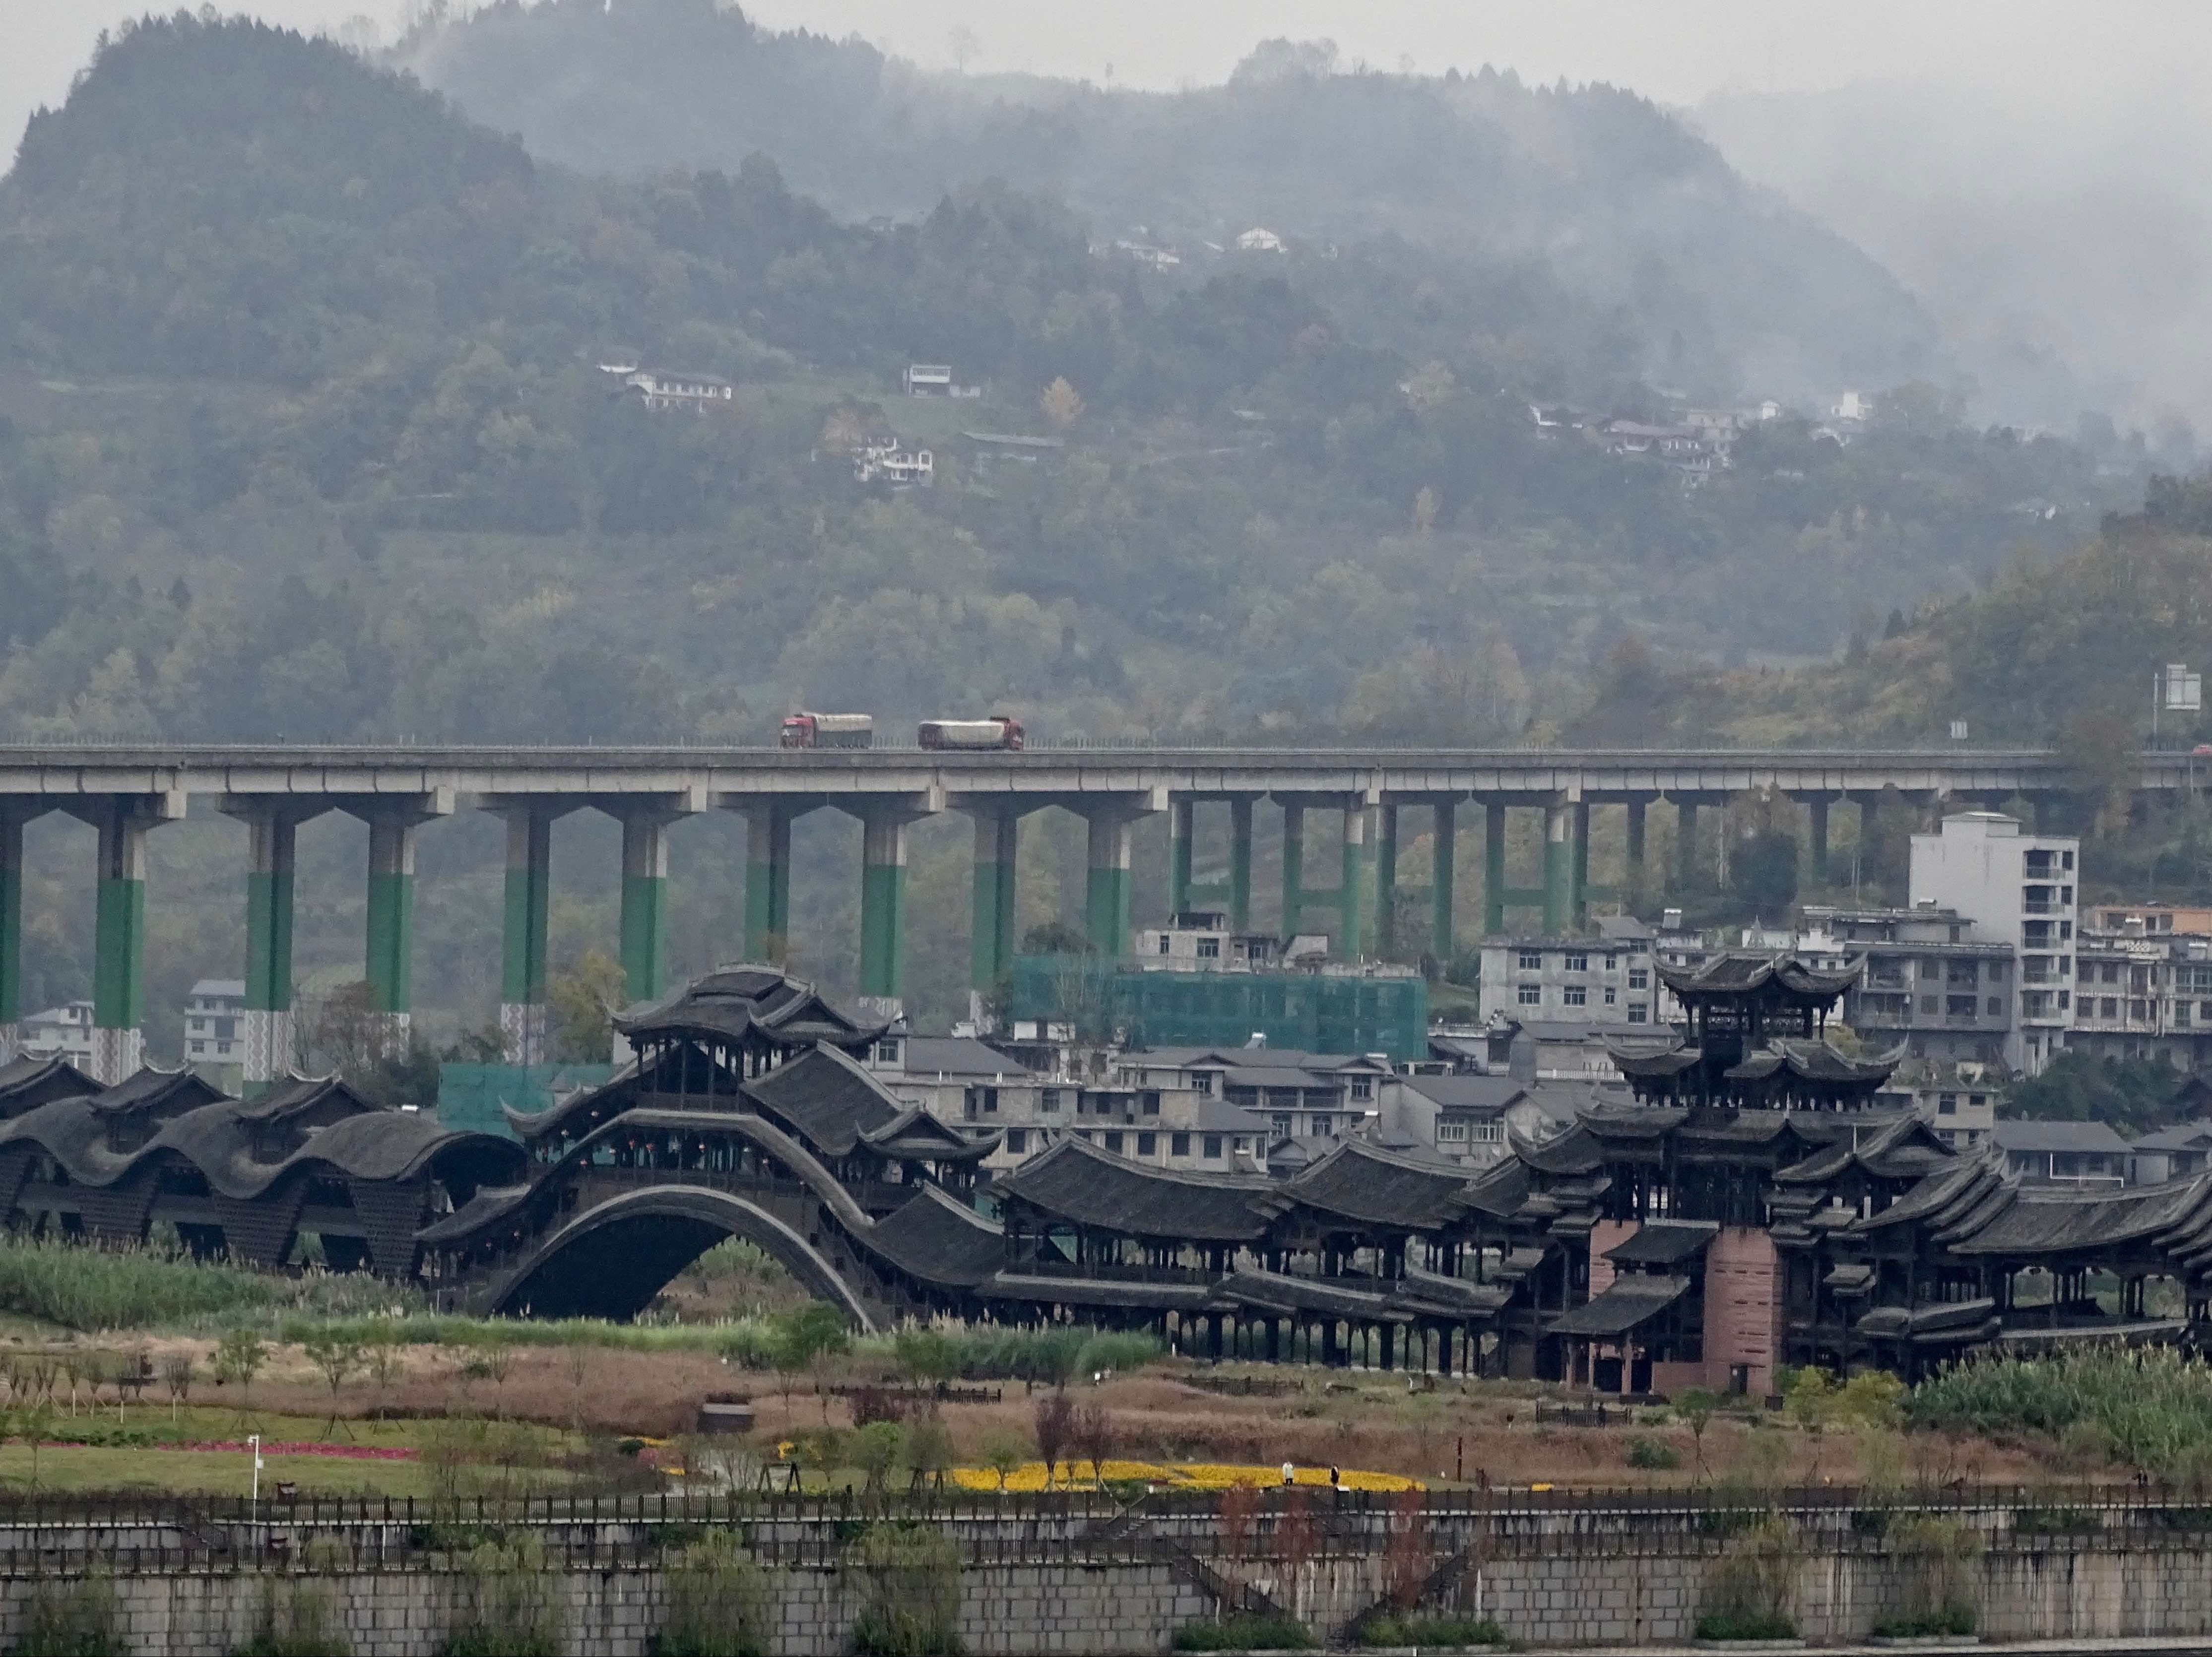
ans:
(1730, 291)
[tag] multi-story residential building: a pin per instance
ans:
(213, 1014)
(2018, 890)
(2171, 1153)
(1606, 980)
(2143, 995)
(1958, 1099)
(1468, 1119)
(2083, 1155)
(1202, 941)
(2148, 920)
(1928, 981)
(65, 1031)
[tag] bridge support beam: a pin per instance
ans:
(644, 901)
(1579, 822)
(882, 907)
(1685, 843)
(1239, 865)
(119, 965)
(1294, 868)
(267, 1038)
(1816, 811)
(1443, 866)
(768, 881)
(1386, 882)
(1559, 868)
(522, 1014)
(13, 817)
(1106, 881)
(1635, 852)
(1182, 820)
(1355, 894)
(391, 924)
(991, 926)
(1493, 868)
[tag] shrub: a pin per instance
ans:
(1753, 1582)
(1956, 1624)
(512, 1605)
(720, 1603)
(1653, 1453)
(2152, 1407)
(1246, 1632)
(1938, 1579)
(297, 1619)
(1432, 1631)
(81, 1619)
(908, 1580)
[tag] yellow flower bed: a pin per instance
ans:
(1178, 1475)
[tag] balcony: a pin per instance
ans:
(2044, 906)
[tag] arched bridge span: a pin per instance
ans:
(610, 1260)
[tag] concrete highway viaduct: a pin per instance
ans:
(126, 792)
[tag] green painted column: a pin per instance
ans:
(1817, 809)
(1386, 882)
(1106, 888)
(1239, 865)
(991, 908)
(1356, 884)
(1558, 870)
(1685, 843)
(266, 1025)
(11, 931)
(1635, 872)
(1181, 816)
(768, 881)
(522, 1014)
(119, 964)
(1443, 854)
(390, 929)
(644, 904)
(1493, 869)
(883, 910)
(1579, 825)
(1294, 868)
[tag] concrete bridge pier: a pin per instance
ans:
(644, 925)
(1443, 868)
(767, 877)
(1493, 868)
(1816, 811)
(1578, 826)
(1635, 847)
(1106, 897)
(268, 1042)
(1384, 927)
(1232, 893)
(529, 895)
(13, 816)
(992, 913)
(118, 968)
(1559, 857)
(390, 938)
(883, 906)
(1359, 907)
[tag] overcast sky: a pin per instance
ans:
(2160, 49)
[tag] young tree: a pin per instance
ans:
(1003, 1454)
(387, 1360)
(584, 1000)
(240, 1356)
(1697, 1405)
(1055, 1430)
(1093, 1435)
(177, 1375)
(1062, 403)
(337, 1358)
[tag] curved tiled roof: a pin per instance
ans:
(939, 1239)
(1363, 1182)
(216, 1139)
(29, 1081)
(1078, 1182)
(1739, 974)
(733, 1003)
(828, 1097)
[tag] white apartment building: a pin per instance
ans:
(214, 1015)
(66, 1030)
(1606, 980)
(2017, 889)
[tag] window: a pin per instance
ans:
(1577, 995)
(1577, 961)
(1148, 1144)
(2066, 859)
(1113, 1143)
(1209, 949)
(1995, 971)
(2089, 974)
(1997, 1006)
(887, 1051)
(1212, 1147)
(1447, 1131)
(1959, 1006)
(1163, 942)
(1363, 1087)
(1243, 1144)
(226, 1029)
(1529, 995)
(1637, 1015)
(1280, 1122)
(1048, 1100)
(223, 1049)
(1978, 1100)
(1018, 1140)
(1532, 961)
(1148, 1103)
(2138, 1009)
(1946, 1104)
(1178, 1144)
(1612, 964)
(2111, 972)
(1201, 1082)
(1639, 979)
(1324, 1127)
(1612, 995)
(990, 1102)
(1927, 1003)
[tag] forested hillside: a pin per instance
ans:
(1720, 289)
(303, 434)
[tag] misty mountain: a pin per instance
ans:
(1728, 291)
(2064, 244)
